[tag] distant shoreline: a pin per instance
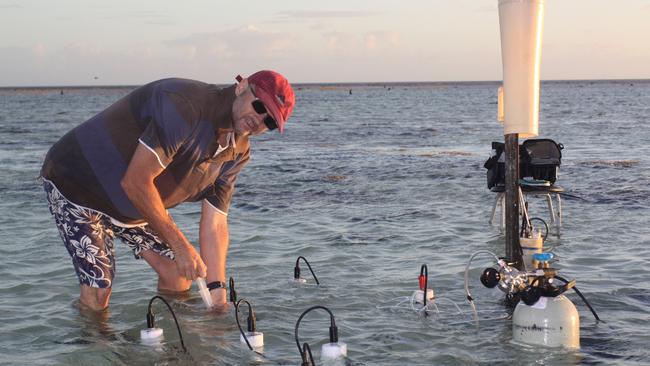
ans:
(335, 84)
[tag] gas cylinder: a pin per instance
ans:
(551, 322)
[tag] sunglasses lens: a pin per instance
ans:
(270, 123)
(259, 107)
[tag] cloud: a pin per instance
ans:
(83, 49)
(142, 16)
(141, 51)
(344, 43)
(246, 42)
(381, 40)
(13, 52)
(318, 26)
(339, 41)
(11, 6)
(39, 50)
(319, 14)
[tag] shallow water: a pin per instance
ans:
(368, 186)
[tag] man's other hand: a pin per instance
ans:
(189, 263)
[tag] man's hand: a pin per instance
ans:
(189, 262)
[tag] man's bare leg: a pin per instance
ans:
(169, 279)
(94, 298)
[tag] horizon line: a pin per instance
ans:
(334, 83)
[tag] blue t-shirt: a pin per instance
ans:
(180, 121)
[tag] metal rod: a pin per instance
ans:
(513, 250)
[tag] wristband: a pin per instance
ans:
(216, 284)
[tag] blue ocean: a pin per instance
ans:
(369, 182)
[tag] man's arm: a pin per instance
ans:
(138, 183)
(214, 240)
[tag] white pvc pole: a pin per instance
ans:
(521, 23)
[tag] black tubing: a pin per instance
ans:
(306, 350)
(150, 313)
(250, 309)
(572, 196)
(424, 271)
(545, 225)
(524, 222)
(241, 331)
(333, 329)
(308, 265)
(582, 297)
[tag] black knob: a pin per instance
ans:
(490, 277)
(512, 299)
(530, 295)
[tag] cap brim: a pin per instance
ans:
(270, 105)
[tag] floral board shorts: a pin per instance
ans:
(88, 236)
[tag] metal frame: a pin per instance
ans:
(556, 218)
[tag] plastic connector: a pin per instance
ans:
(296, 271)
(333, 351)
(151, 336)
(151, 320)
(334, 333)
(424, 277)
(251, 321)
(233, 293)
(543, 257)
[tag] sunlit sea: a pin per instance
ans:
(368, 182)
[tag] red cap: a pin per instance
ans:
(422, 282)
(275, 92)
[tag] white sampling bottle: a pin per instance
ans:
(205, 293)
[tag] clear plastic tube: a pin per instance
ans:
(205, 293)
(433, 303)
(469, 263)
(451, 301)
(423, 309)
(402, 300)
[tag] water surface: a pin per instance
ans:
(368, 186)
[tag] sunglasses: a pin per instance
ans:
(260, 108)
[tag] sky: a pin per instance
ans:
(116, 42)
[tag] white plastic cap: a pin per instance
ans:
(417, 295)
(151, 335)
(333, 351)
(256, 339)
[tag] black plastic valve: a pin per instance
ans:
(512, 299)
(530, 295)
(490, 277)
